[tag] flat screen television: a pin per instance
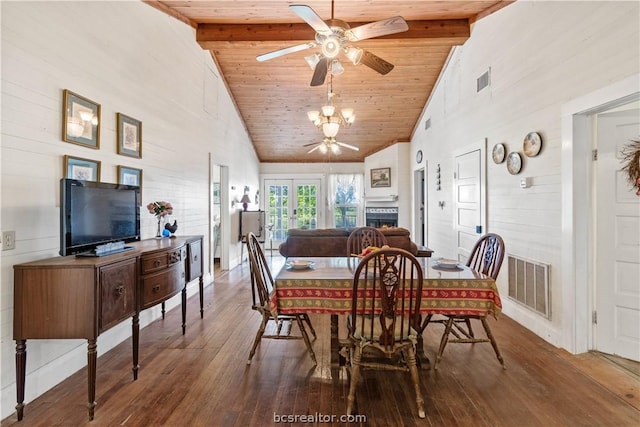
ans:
(96, 214)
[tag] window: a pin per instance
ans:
(345, 200)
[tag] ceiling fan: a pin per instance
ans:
(329, 144)
(335, 36)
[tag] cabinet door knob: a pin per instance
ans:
(156, 288)
(119, 290)
(157, 263)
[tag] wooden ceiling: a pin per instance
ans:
(274, 96)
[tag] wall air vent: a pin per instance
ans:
(427, 123)
(529, 284)
(483, 81)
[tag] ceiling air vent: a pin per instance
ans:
(483, 81)
(427, 123)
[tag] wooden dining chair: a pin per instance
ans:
(384, 319)
(261, 287)
(361, 238)
(485, 257)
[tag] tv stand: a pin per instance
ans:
(81, 297)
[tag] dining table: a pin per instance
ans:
(324, 285)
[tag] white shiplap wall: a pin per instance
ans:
(541, 55)
(130, 58)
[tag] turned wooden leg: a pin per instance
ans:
(423, 359)
(92, 362)
(355, 377)
(336, 359)
(201, 288)
(162, 309)
(415, 378)
(305, 337)
(184, 309)
(494, 344)
(256, 341)
(135, 337)
(21, 365)
(443, 341)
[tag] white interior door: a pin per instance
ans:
(292, 203)
(617, 239)
(468, 200)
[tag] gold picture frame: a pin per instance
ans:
(80, 120)
(130, 176)
(380, 177)
(129, 136)
(82, 169)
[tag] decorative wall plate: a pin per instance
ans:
(498, 153)
(514, 163)
(532, 144)
(419, 157)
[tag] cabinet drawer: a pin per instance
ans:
(160, 286)
(156, 262)
(117, 293)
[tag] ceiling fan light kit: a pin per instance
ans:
(334, 36)
(330, 144)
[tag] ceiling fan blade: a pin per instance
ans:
(352, 147)
(285, 51)
(311, 17)
(393, 25)
(310, 144)
(375, 62)
(320, 72)
(314, 149)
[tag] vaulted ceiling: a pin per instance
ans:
(273, 96)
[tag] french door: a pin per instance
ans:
(292, 203)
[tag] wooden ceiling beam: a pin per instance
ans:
(424, 29)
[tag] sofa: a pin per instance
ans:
(329, 242)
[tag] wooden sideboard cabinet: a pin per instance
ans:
(81, 297)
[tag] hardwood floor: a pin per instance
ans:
(201, 379)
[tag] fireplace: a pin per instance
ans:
(381, 216)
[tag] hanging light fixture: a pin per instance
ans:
(328, 118)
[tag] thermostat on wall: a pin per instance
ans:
(525, 182)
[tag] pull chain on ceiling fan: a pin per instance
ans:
(335, 36)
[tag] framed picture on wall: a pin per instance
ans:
(129, 136)
(380, 177)
(129, 176)
(83, 169)
(80, 120)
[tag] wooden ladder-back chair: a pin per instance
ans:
(485, 257)
(261, 286)
(385, 317)
(363, 237)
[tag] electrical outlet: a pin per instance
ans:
(8, 240)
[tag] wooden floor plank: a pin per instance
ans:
(201, 378)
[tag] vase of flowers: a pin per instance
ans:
(160, 210)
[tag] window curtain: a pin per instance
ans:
(346, 190)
